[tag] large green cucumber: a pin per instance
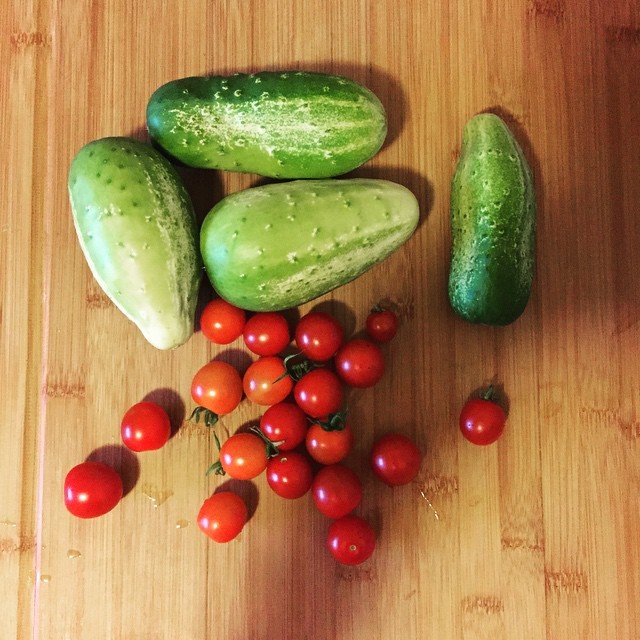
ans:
(280, 124)
(493, 225)
(277, 246)
(137, 229)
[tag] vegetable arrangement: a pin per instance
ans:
(272, 248)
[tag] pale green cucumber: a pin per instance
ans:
(137, 229)
(280, 124)
(493, 225)
(277, 246)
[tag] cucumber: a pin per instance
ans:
(278, 124)
(277, 246)
(137, 229)
(493, 225)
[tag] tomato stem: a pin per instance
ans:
(210, 418)
(489, 394)
(336, 421)
(216, 468)
(272, 447)
(295, 370)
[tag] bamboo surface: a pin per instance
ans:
(535, 537)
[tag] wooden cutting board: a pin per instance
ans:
(533, 537)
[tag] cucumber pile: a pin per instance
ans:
(268, 248)
(279, 245)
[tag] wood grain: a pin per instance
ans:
(533, 537)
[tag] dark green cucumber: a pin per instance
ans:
(137, 230)
(277, 246)
(279, 124)
(493, 225)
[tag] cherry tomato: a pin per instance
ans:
(222, 516)
(145, 427)
(265, 382)
(243, 456)
(217, 386)
(329, 447)
(360, 363)
(319, 335)
(319, 393)
(284, 423)
(382, 325)
(336, 491)
(266, 333)
(289, 474)
(395, 459)
(482, 420)
(221, 322)
(351, 540)
(92, 489)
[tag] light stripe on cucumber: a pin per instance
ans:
(280, 124)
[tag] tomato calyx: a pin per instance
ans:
(296, 370)
(489, 394)
(210, 418)
(272, 449)
(336, 421)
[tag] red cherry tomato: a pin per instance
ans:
(222, 516)
(221, 322)
(319, 335)
(145, 427)
(329, 447)
(360, 363)
(482, 420)
(395, 459)
(265, 382)
(351, 540)
(217, 386)
(243, 456)
(284, 423)
(336, 491)
(319, 393)
(92, 489)
(266, 333)
(289, 474)
(382, 325)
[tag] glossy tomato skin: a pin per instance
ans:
(92, 489)
(266, 382)
(382, 325)
(319, 335)
(217, 386)
(145, 427)
(285, 423)
(360, 363)
(222, 516)
(395, 459)
(329, 447)
(351, 540)
(243, 456)
(289, 474)
(482, 421)
(266, 333)
(319, 393)
(336, 491)
(221, 322)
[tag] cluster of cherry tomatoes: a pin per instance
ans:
(304, 433)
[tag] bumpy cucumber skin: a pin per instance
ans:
(277, 246)
(279, 124)
(493, 225)
(137, 229)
